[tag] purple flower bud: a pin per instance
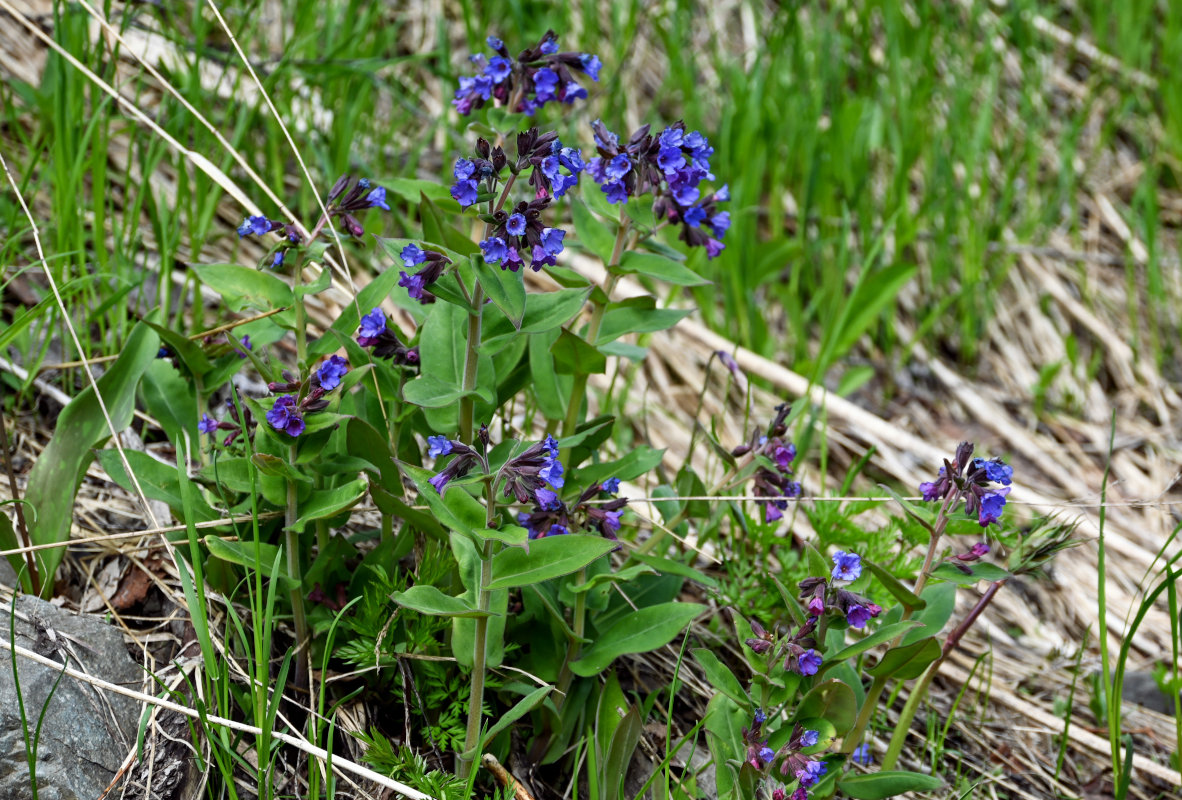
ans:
(760, 717)
(714, 248)
(846, 566)
(720, 223)
(816, 606)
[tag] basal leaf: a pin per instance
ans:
(546, 558)
(637, 632)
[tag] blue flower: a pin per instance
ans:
(611, 485)
(494, 43)
(377, 198)
(412, 283)
(694, 216)
(516, 224)
(572, 92)
(766, 754)
(861, 755)
(464, 192)
(552, 240)
(992, 504)
(277, 262)
(245, 340)
(809, 739)
(670, 159)
(809, 662)
(811, 773)
(591, 65)
(616, 192)
(720, 223)
(995, 470)
(494, 249)
(618, 167)
(439, 481)
(373, 325)
(857, 615)
(846, 566)
(498, 69)
(438, 446)
(285, 416)
(207, 424)
(551, 472)
(257, 225)
(547, 500)
(464, 169)
(545, 85)
(685, 193)
(760, 716)
(557, 530)
(714, 248)
(671, 137)
(331, 371)
(413, 255)
(723, 195)
(549, 46)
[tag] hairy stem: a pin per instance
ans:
(471, 361)
(480, 645)
(575, 648)
(295, 572)
(920, 690)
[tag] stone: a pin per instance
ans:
(87, 732)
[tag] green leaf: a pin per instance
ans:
(187, 351)
(460, 511)
(637, 632)
(158, 480)
(411, 189)
(831, 700)
(639, 461)
(322, 282)
(661, 268)
(329, 502)
(978, 572)
(620, 752)
(626, 575)
(503, 287)
(593, 234)
(670, 567)
(573, 356)
(427, 599)
(895, 587)
(57, 472)
(546, 558)
(826, 734)
(924, 516)
(549, 389)
(428, 391)
(252, 555)
(941, 601)
(242, 287)
(513, 535)
(883, 634)
(724, 722)
(519, 710)
(637, 315)
(720, 676)
(547, 310)
(880, 785)
(906, 661)
(869, 300)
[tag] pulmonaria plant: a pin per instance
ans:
(671, 167)
(973, 480)
(287, 413)
(536, 76)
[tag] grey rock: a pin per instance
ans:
(1141, 688)
(87, 732)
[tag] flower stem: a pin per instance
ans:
(480, 645)
(471, 361)
(920, 690)
(295, 572)
(575, 647)
(579, 387)
(874, 694)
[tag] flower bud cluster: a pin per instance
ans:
(671, 167)
(233, 425)
(820, 596)
(465, 458)
(795, 763)
(773, 478)
(973, 480)
(538, 75)
(433, 266)
(551, 516)
(375, 332)
(287, 414)
(532, 476)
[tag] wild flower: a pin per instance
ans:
(344, 205)
(374, 331)
(846, 566)
(972, 480)
(772, 481)
(861, 755)
(537, 76)
(246, 345)
(331, 371)
(258, 226)
(416, 284)
(464, 459)
(285, 416)
(207, 425)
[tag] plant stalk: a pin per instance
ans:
(576, 646)
(480, 645)
(471, 361)
(295, 572)
(21, 526)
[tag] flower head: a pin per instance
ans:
(207, 425)
(536, 76)
(846, 566)
(809, 739)
(438, 446)
(331, 371)
(285, 416)
(861, 755)
(257, 226)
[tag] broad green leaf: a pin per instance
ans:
(884, 634)
(906, 661)
(637, 315)
(720, 676)
(322, 282)
(329, 502)
(427, 599)
(826, 734)
(941, 601)
(274, 465)
(158, 480)
(624, 576)
(880, 785)
(895, 587)
(463, 629)
(670, 567)
(660, 267)
(619, 754)
(412, 189)
(512, 535)
(593, 234)
(637, 632)
(869, 300)
(831, 700)
(639, 461)
(924, 516)
(724, 724)
(242, 287)
(169, 399)
(460, 522)
(251, 555)
(427, 391)
(978, 572)
(503, 287)
(546, 558)
(56, 473)
(187, 351)
(550, 389)
(573, 356)
(547, 310)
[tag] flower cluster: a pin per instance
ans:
(375, 332)
(532, 476)
(806, 770)
(670, 166)
(344, 205)
(535, 77)
(287, 414)
(552, 517)
(772, 481)
(233, 425)
(973, 480)
(820, 596)
(799, 650)
(464, 459)
(523, 232)
(433, 266)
